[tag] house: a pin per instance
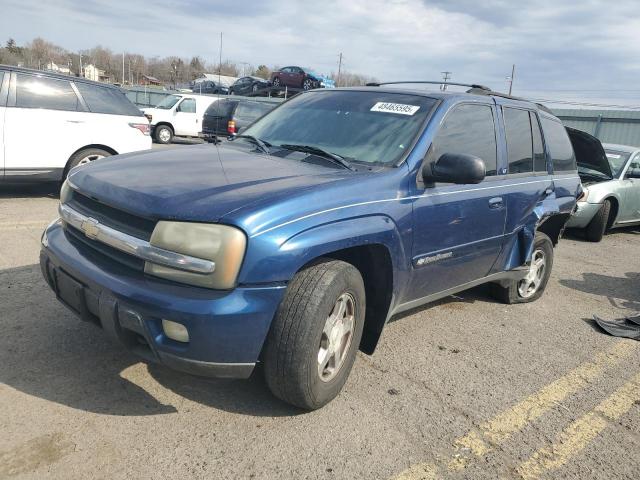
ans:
(53, 67)
(96, 74)
(149, 80)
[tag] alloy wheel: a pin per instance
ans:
(529, 285)
(336, 337)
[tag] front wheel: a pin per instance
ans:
(598, 224)
(163, 134)
(276, 82)
(307, 84)
(531, 287)
(315, 334)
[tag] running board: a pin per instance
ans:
(515, 274)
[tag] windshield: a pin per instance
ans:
(617, 160)
(371, 127)
(168, 102)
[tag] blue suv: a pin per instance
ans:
(293, 244)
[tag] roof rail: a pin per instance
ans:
(431, 82)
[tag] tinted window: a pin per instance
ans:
(188, 105)
(539, 159)
(251, 110)
(106, 100)
(559, 146)
(519, 143)
(468, 129)
(221, 108)
(43, 92)
(373, 127)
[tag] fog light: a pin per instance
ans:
(175, 331)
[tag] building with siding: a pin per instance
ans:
(609, 126)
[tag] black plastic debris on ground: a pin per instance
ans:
(628, 327)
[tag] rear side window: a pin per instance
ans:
(106, 100)
(559, 145)
(517, 127)
(42, 92)
(188, 105)
(456, 136)
(220, 108)
(251, 110)
(539, 158)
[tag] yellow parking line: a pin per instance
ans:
(421, 471)
(578, 435)
(500, 428)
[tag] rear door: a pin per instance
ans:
(186, 118)
(458, 229)
(43, 124)
(4, 89)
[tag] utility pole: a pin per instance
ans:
(513, 73)
(123, 69)
(339, 70)
(445, 76)
(81, 72)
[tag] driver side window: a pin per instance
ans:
(467, 129)
(188, 105)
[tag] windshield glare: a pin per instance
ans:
(168, 102)
(617, 160)
(369, 127)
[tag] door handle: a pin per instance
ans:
(496, 202)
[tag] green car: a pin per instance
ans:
(611, 199)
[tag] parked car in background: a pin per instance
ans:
(178, 115)
(299, 77)
(611, 197)
(247, 85)
(209, 87)
(228, 117)
(50, 123)
(295, 243)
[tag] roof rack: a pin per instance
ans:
(431, 82)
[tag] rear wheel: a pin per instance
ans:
(315, 334)
(276, 82)
(532, 286)
(307, 84)
(598, 224)
(163, 134)
(84, 157)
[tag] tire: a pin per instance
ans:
(307, 84)
(516, 291)
(231, 92)
(598, 224)
(83, 157)
(301, 332)
(163, 134)
(276, 82)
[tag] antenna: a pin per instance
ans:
(445, 76)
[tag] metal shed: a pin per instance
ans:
(609, 126)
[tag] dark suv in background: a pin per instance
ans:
(228, 116)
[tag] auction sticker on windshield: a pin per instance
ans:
(400, 108)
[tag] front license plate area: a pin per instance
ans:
(70, 292)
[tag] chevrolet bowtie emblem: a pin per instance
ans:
(90, 227)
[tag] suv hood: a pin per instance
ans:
(199, 183)
(589, 155)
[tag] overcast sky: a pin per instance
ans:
(575, 50)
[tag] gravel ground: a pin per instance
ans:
(464, 388)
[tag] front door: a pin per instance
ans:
(458, 229)
(186, 118)
(630, 205)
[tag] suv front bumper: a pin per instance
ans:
(226, 328)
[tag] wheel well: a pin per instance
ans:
(614, 211)
(376, 268)
(87, 147)
(165, 123)
(553, 226)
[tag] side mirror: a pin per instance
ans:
(454, 168)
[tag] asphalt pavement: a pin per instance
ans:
(464, 388)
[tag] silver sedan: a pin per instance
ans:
(610, 202)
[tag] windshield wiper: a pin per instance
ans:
(320, 153)
(264, 146)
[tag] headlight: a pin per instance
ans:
(65, 192)
(223, 245)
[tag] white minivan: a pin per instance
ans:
(178, 115)
(50, 123)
